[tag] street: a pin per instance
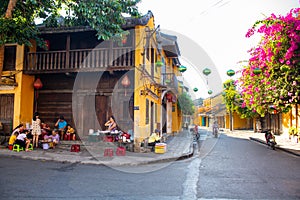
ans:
(224, 167)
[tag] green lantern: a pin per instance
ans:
(206, 71)
(182, 68)
(195, 89)
(159, 63)
(257, 71)
(230, 72)
(210, 92)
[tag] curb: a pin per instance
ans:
(277, 147)
(168, 159)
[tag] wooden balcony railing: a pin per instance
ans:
(170, 80)
(79, 60)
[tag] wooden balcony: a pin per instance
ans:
(82, 60)
(170, 80)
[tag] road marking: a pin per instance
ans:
(191, 180)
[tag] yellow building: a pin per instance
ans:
(214, 109)
(87, 80)
(16, 88)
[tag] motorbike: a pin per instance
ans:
(270, 139)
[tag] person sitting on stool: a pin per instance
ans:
(153, 139)
(61, 125)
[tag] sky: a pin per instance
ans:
(211, 34)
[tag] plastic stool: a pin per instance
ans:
(67, 137)
(121, 151)
(30, 147)
(17, 148)
(10, 147)
(108, 152)
(75, 148)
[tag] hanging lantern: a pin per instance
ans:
(47, 43)
(124, 39)
(195, 89)
(206, 71)
(125, 82)
(210, 92)
(182, 68)
(257, 71)
(230, 72)
(37, 84)
(159, 63)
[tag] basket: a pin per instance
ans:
(45, 146)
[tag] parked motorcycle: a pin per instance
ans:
(270, 139)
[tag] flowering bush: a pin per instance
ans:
(271, 80)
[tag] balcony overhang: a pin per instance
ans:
(169, 44)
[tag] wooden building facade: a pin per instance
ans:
(87, 80)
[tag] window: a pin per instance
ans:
(147, 111)
(10, 58)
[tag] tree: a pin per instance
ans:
(233, 100)
(271, 80)
(186, 104)
(17, 20)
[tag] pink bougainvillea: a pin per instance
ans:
(273, 72)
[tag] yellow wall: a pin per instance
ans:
(23, 92)
(290, 120)
(240, 123)
(142, 130)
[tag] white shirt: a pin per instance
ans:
(22, 136)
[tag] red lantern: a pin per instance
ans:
(47, 44)
(169, 97)
(38, 84)
(125, 82)
(124, 39)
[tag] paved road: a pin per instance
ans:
(226, 167)
(238, 169)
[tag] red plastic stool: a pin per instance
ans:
(121, 151)
(75, 148)
(108, 152)
(10, 147)
(67, 137)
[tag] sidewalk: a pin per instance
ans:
(283, 143)
(178, 147)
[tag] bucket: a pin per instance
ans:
(160, 148)
(45, 146)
